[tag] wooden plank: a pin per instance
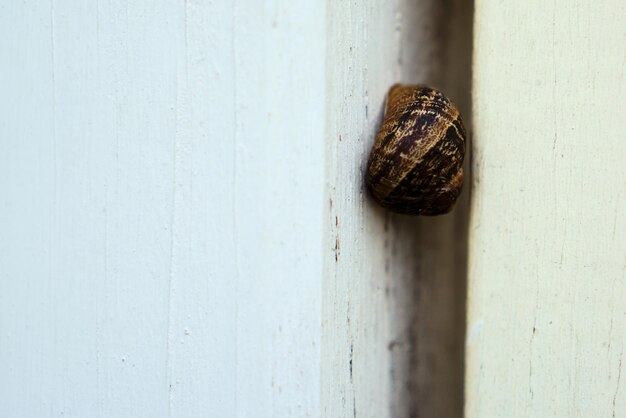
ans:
(169, 244)
(394, 285)
(547, 290)
(161, 208)
(87, 125)
(279, 184)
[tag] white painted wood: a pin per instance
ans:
(547, 284)
(161, 208)
(394, 290)
(169, 247)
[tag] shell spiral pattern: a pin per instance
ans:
(415, 166)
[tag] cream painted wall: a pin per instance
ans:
(547, 263)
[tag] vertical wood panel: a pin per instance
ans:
(161, 208)
(203, 280)
(169, 246)
(279, 183)
(394, 285)
(547, 292)
(89, 151)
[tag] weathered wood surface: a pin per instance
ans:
(394, 293)
(547, 270)
(169, 247)
(161, 208)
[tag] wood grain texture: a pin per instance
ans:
(547, 289)
(393, 291)
(184, 236)
(161, 208)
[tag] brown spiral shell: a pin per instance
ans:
(415, 166)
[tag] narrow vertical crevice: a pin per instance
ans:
(427, 352)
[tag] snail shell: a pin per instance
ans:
(415, 166)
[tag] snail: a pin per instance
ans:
(415, 166)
